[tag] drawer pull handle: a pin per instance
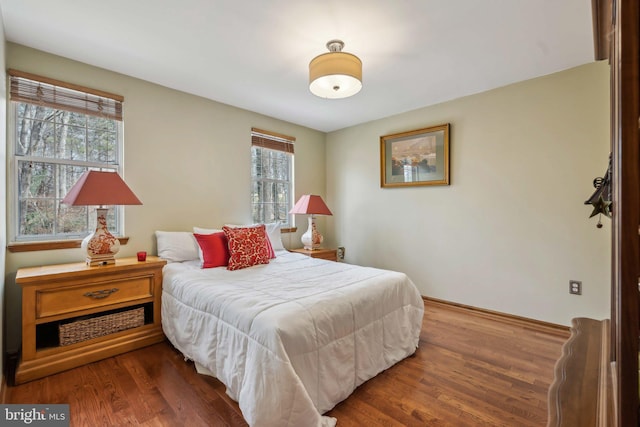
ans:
(101, 294)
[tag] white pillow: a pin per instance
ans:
(199, 230)
(273, 232)
(275, 235)
(177, 246)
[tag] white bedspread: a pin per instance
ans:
(292, 338)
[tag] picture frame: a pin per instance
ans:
(415, 158)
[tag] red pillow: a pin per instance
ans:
(215, 252)
(272, 253)
(247, 246)
(270, 250)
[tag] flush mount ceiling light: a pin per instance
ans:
(335, 74)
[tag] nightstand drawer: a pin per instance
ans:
(52, 302)
(329, 255)
(56, 311)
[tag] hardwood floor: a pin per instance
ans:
(471, 369)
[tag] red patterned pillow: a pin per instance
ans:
(215, 251)
(272, 253)
(247, 246)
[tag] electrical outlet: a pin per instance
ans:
(575, 287)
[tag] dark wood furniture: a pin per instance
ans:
(625, 112)
(55, 295)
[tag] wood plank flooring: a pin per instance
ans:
(471, 370)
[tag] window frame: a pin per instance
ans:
(19, 243)
(266, 140)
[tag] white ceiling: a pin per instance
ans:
(254, 54)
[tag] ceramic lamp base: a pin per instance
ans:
(95, 260)
(312, 239)
(101, 246)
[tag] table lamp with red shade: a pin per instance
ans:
(312, 205)
(102, 189)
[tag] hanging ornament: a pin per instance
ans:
(601, 198)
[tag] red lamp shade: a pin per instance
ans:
(310, 204)
(101, 189)
(313, 205)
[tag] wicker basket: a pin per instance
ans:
(82, 330)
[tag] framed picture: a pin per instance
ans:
(417, 157)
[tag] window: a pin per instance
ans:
(58, 131)
(271, 177)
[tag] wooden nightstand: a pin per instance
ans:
(328, 254)
(95, 303)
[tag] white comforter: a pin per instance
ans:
(292, 338)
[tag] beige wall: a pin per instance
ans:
(511, 230)
(186, 158)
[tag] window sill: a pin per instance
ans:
(51, 245)
(289, 230)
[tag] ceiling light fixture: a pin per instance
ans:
(335, 74)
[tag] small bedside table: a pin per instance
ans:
(57, 298)
(322, 253)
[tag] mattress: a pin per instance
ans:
(292, 338)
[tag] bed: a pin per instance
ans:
(292, 338)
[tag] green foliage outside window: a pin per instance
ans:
(53, 147)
